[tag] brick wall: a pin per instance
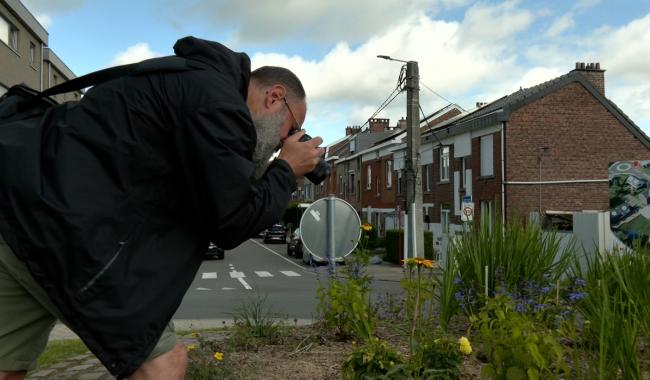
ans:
(486, 188)
(581, 138)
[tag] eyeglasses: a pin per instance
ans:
(296, 127)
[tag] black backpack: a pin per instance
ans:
(22, 102)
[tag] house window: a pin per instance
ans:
(55, 80)
(399, 182)
(340, 184)
(427, 178)
(32, 53)
(487, 156)
(352, 146)
(389, 174)
(487, 213)
(378, 184)
(351, 183)
(368, 178)
(444, 221)
(8, 34)
(444, 163)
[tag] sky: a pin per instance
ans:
(467, 51)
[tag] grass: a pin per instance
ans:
(58, 351)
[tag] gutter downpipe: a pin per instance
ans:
(503, 174)
(40, 71)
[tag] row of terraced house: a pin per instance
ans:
(25, 57)
(542, 151)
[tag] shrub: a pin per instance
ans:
(516, 346)
(394, 239)
(374, 359)
(439, 359)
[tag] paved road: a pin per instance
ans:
(255, 270)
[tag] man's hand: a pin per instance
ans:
(301, 156)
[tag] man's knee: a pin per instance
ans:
(168, 366)
(20, 375)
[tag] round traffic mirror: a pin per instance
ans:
(346, 226)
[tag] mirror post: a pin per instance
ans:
(331, 242)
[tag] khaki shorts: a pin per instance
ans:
(27, 316)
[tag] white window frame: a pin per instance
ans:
(378, 186)
(389, 174)
(444, 164)
(487, 155)
(13, 37)
(369, 177)
(32, 53)
(341, 184)
(427, 178)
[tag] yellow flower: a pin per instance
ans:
(464, 345)
(366, 227)
(195, 335)
(191, 347)
(427, 263)
(218, 356)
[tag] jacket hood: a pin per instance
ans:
(236, 66)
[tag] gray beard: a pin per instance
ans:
(268, 139)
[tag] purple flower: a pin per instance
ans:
(546, 290)
(459, 296)
(457, 281)
(577, 296)
(580, 283)
(520, 307)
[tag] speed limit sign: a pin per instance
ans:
(467, 212)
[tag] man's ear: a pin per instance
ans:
(274, 97)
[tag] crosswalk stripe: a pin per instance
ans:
(290, 273)
(209, 275)
(263, 274)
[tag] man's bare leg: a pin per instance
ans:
(168, 366)
(12, 375)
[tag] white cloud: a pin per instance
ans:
(45, 10)
(561, 25)
(449, 63)
(315, 20)
(135, 53)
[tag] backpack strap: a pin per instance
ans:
(163, 64)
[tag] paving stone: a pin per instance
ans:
(60, 365)
(93, 361)
(81, 367)
(96, 375)
(42, 373)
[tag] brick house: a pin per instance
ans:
(557, 139)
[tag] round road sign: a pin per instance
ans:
(467, 211)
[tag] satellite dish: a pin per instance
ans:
(346, 226)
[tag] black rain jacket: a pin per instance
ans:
(111, 201)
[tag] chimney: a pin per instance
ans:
(378, 125)
(351, 130)
(401, 124)
(593, 73)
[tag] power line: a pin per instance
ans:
(435, 93)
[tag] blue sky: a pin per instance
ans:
(467, 51)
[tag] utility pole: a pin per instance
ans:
(412, 163)
(414, 239)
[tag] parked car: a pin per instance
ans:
(294, 246)
(214, 252)
(313, 260)
(276, 233)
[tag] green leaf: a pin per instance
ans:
(533, 374)
(515, 373)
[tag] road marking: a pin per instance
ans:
(203, 289)
(246, 286)
(227, 288)
(280, 256)
(235, 274)
(209, 275)
(289, 273)
(263, 274)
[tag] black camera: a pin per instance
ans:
(322, 169)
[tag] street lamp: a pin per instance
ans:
(414, 238)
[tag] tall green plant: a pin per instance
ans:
(516, 253)
(616, 308)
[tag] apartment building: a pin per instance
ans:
(24, 53)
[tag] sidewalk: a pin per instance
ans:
(87, 367)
